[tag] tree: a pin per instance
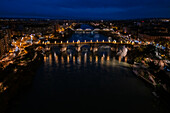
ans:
(163, 41)
(138, 54)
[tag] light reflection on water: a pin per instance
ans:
(56, 58)
(70, 83)
(74, 59)
(81, 59)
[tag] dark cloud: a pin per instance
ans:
(115, 9)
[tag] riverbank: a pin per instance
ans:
(17, 76)
(154, 78)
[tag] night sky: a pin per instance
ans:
(86, 9)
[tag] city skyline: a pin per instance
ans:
(89, 9)
(84, 55)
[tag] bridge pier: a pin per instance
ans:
(120, 59)
(126, 59)
(117, 49)
(79, 48)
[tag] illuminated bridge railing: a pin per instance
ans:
(89, 42)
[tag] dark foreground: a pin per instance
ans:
(67, 84)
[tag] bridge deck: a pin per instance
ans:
(66, 43)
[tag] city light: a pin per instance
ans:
(83, 58)
(78, 41)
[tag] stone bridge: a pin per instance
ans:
(92, 46)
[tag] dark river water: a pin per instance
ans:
(87, 36)
(86, 83)
(83, 83)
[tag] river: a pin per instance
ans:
(86, 83)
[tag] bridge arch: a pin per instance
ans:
(104, 49)
(85, 48)
(71, 49)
